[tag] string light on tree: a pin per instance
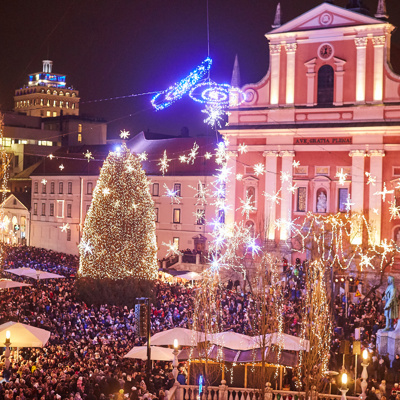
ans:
(118, 238)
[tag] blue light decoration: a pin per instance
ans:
(200, 385)
(165, 98)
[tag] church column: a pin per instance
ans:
(271, 168)
(286, 195)
(375, 201)
(357, 189)
(379, 43)
(275, 60)
(231, 188)
(310, 65)
(361, 46)
(290, 71)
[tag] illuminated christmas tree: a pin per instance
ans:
(119, 240)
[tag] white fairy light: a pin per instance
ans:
(106, 191)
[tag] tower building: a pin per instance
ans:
(47, 95)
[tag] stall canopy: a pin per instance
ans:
(22, 335)
(157, 353)
(190, 276)
(21, 271)
(34, 273)
(9, 284)
(186, 337)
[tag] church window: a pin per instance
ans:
(325, 85)
(343, 195)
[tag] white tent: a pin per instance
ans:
(9, 284)
(186, 337)
(43, 275)
(232, 340)
(288, 342)
(21, 271)
(190, 276)
(22, 335)
(157, 353)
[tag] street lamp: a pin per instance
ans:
(175, 362)
(364, 374)
(7, 352)
(344, 389)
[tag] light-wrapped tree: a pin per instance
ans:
(119, 240)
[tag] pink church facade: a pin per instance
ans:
(330, 102)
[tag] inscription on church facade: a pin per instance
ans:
(325, 140)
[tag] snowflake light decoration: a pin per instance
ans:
(348, 204)
(239, 177)
(44, 181)
(366, 261)
(215, 114)
(296, 164)
(106, 191)
(124, 134)
(259, 169)
(384, 192)
(87, 248)
(172, 248)
(371, 179)
(172, 194)
(207, 155)
(201, 194)
(247, 206)
(164, 163)
(394, 210)
(199, 215)
(64, 227)
(50, 156)
(142, 156)
(342, 176)
(183, 159)
(285, 176)
(88, 155)
(242, 148)
(61, 166)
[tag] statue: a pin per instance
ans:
(321, 203)
(391, 305)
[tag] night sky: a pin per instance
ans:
(110, 48)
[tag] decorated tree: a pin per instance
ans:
(119, 242)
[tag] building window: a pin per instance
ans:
(221, 216)
(43, 188)
(60, 187)
(177, 216)
(325, 85)
(156, 189)
(301, 200)
(200, 217)
(43, 208)
(69, 210)
(51, 209)
(60, 208)
(68, 235)
(176, 242)
(52, 188)
(89, 187)
(36, 187)
(177, 189)
(156, 214)
(69, 187)
(343, 195)
(16, 161)
(34, 208)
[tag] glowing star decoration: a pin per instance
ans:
(207, 155)
(348, 204)
(44, 181)
(193, 153)
(239, 177)
(64, 227)
(106, 191)
(172, 249)
(164, 163)
(50, 156)
(342, 176)
(215, 114)
(259, 169)
(61, 166)
(124, 134)
(172, 194)
(175, 92)
(247, 207)
(242, 148)
(371, 179)
(394, 210)
(384, 192)
(88, 155)
(86, 247)
(142, 156)
(274, 197)
(366, 262)
(292, 188)
(285, 176)
(296, 164)
(199, 215)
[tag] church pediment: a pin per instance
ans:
(325, 16)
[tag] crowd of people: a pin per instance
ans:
(84, 356)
